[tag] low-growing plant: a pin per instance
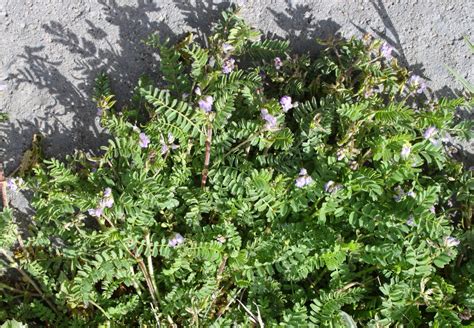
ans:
(254, 187)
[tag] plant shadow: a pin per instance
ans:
(463, 152)
(69, 121)
(75, 125)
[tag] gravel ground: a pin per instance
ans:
(51, 51)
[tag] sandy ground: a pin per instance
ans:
(51, 51)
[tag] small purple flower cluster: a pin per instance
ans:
(411, 221)
(277, 63)
(451, 241)
(417, 84)
(229, 65)
(304, 179)
(271, 121)
(177, 240)
(144, 140)
(430, 133)
(286, 103)
(353, 165)
(14, 184)
(411, 194)
(206, 103)
(167, 145)
(341, 154)
(399, 194)
(107, 201)
(227, 48)
(332, 187)
(386, 51)
(405, 152)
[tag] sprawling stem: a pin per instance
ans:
(142, 266)
(151, 271)
(207, 156)
(25, 275)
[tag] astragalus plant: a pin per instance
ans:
(250, 186)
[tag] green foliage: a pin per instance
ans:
(199, 212)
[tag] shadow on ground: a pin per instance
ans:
(124, 61)
(128, 58)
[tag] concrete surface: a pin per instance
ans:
(51, 51)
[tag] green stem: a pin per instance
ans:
(151, 271)
(101, 309)
(207, 156)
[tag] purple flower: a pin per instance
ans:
(353, 165)
(278, 63)
(300, 182)
(332, 187)
(304, 179)
(226, 47)
(386, 51)
(165, 146)
(228, 66)
(177, 240)
(433, 209)
(97, 212)
(451, 241)
(400, 194)
(144, 140)
(328, 185)
(14, 183)
(406, 150)
(285, 103)
(99, 111)
(271, 121)
(206, 103)
(417, 83)
(106, 202)
(108, 199)
(197, 91)
(411, 221)
(411, 194)
(368, 93)
(11, 184)
(107, 192)
(340, 154)
(430, 132)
